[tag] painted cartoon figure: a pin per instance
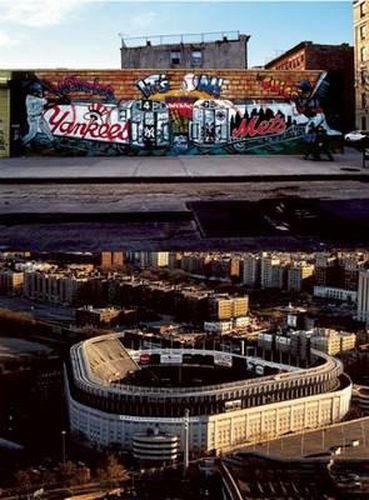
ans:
(35, 105)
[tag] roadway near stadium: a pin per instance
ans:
(214, 400)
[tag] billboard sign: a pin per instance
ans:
(171, 359)
(223, 359)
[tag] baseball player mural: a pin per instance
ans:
(87, 115)
(35, 105)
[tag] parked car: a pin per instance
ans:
(356, 136)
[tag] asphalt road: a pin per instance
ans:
(321, 441)
(93, 217)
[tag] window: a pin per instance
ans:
(362, 54)
(175, 57)
(362, 32)
(362, 9)
(196, 58)
(363, 123)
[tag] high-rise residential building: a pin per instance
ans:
(174, 259)
(235, 268)
(350, 265)
(193, 263)
(361, 42)
(159, 259)
(117, 259)
(272, 271)
(55, 288)
(111, 260)
(325, 269)
(363, 296)
(11, 282)
(251, 270)
(223, 307)
(105, 260)
(215, 50)
(298, 275)
(153, 259)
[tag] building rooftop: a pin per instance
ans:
(183, 38)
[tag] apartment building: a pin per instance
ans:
(251, 270)
(298, 275)
(222, 307)
(361, 51)
(272, 271)
(331, 341)
(11, 282)
(213, 50)
(55, 288)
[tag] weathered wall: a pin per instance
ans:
(115, 112)
(219, 54)
(4, 114)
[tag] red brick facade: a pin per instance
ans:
(333, 58)
(237, 84)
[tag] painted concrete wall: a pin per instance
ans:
(174, 112)
(4, 114)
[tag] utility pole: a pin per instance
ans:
(63, 434)
(186, 440)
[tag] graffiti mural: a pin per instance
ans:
(2, 139)
(192, 115)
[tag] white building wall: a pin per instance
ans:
(335, 293)
(363, 296)
(219, 432)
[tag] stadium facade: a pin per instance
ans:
(109, 404)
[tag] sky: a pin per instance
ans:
(84, 34)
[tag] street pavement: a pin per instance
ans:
(91, 204)
(225, 168)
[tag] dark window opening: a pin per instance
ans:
(175, 57)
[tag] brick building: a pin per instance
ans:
(361, 37)
(104, 317)
(338, 60)
(203, 50)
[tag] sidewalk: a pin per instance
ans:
(179, 169)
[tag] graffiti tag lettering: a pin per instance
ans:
(153, 84)
(280, 87)
(68, 121)
(252, 128)
(212, 85)
(73, 83)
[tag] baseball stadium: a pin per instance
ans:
(160, 402)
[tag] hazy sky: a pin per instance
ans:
(84, 34)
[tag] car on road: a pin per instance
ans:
(358, 139)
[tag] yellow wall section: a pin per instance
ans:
(4, 115)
